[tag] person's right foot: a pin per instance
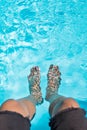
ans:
(54, 79)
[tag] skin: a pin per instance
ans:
(24, 107)
(27, 108)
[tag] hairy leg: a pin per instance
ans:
(57, 102)
(27, 106)
(61, 104)
(22, 107)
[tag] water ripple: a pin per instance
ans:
(39, 32)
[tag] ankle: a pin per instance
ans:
(52, 97)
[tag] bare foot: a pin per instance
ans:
(34, 85)
(54, 79)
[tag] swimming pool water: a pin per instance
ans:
(43, 32)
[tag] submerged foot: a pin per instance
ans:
(34, 85)
(54, 79)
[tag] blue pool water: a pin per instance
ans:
(43, 32)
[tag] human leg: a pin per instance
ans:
(57, 102)
(27, 106)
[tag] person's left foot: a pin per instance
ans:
(34, 85)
